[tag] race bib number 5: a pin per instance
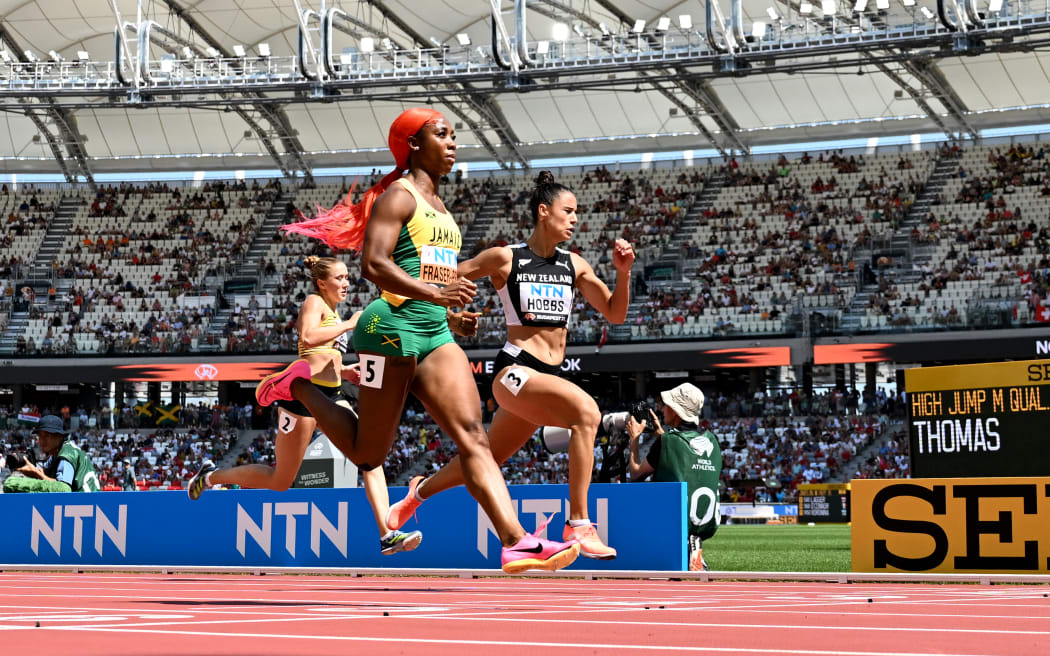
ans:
(372, 367)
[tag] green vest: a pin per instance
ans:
(84, 478)
(696, 460)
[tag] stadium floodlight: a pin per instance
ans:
(805, 9)
(31, 56)
(167, 63)
(560, 32)
(463, 38)
(882, 4)
(663, 24)
(6, 56)
(927, 13)
(238, 50)
(434, 40)
(828, 7)
(55, 57)
(995, 6)
(772, 13)
(758, 29)
(685, 21)
(908, 3)
(860, 6)
(368, 44)
(543, 47)
(346, 58)
(639, 26)
(263, 49)
(83, 55)
(187, 52)
(604, 28)
(212, 52)
(578, 29)
(387, 43)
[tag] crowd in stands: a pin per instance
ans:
(988, 244)
(778, 236)
(159, 458)
(784, 438)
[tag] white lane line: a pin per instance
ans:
(509, 643)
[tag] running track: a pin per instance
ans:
(132, 614)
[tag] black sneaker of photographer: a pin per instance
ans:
(199, 482)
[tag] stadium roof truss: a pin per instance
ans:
(317, 83)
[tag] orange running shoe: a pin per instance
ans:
(591, 546)
(697, 562)
(399, 513)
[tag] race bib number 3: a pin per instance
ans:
(552, 301)
(437, 265)
(372, 370)
(514, 380)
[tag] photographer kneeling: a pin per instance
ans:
(67, 468)
(683, 454)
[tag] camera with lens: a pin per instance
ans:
(640, 411)
(16, 460)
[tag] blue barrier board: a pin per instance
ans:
(646, 523)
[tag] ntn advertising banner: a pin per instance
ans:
(326, 527)
(966, 525)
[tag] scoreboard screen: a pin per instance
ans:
(979, 419)
(823, 502)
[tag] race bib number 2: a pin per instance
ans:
(372, 367)
(286, 421)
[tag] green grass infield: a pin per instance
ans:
(779, 548)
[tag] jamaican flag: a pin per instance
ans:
(144, 411)
(168, 415)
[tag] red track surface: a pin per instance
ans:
(128, 614)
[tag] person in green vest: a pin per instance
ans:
(683, 454)
(67, 468)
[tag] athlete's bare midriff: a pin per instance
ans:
(545, 343)
(325, 366)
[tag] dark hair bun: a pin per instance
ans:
(310, 260)
(544, 178)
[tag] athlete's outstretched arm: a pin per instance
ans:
(612, 304)
(493, 263)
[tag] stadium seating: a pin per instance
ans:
(769, 244)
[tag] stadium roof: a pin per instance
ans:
(964, 93)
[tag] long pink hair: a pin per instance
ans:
(343, 226)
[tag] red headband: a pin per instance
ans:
(410, 122)
(343, 226)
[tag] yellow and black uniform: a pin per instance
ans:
(427, 249)
(332, 389)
